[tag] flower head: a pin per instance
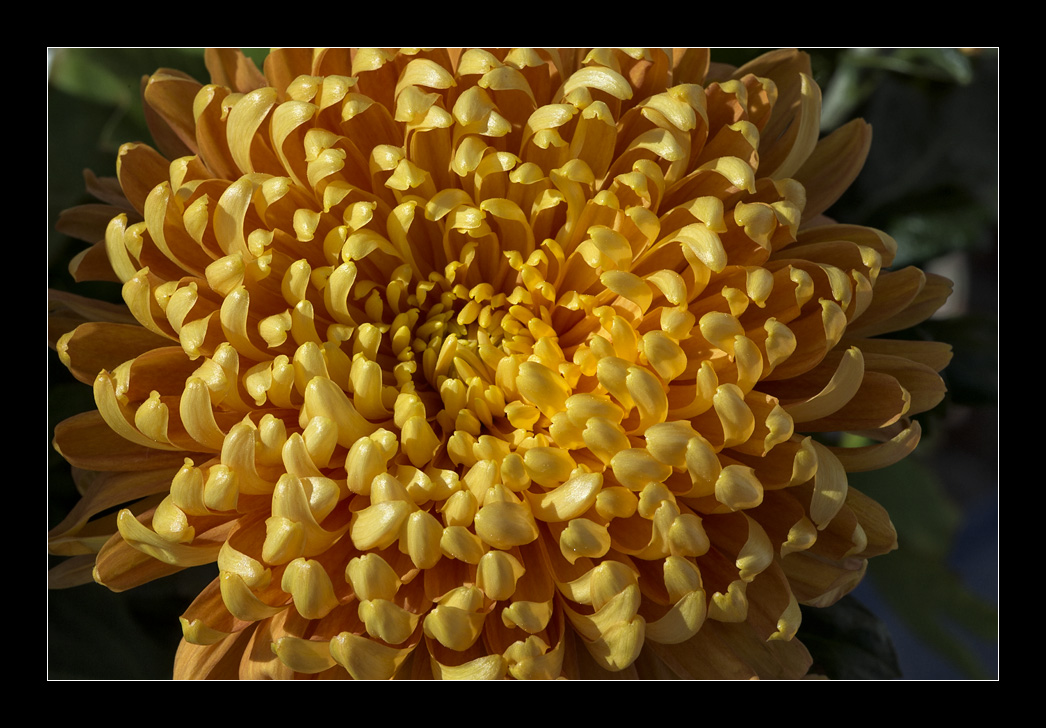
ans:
(494, 363)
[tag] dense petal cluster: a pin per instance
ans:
(499, 363)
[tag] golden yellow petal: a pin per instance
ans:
(683, 620)
(880, 455)
(839, 390)
(532, 659)
(583, 538)
(304, 656)
(310, 586)
(569, 500)
(241, 602)
(379, 525)
(387, 621)
(830, 486)
(504, 525)
(497, 574)
(614, 634)
(455, 623)
(149, 542)
(490, 667)
(366, 659)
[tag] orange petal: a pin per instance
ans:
(169, 101)
(833, 165)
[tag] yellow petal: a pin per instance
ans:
(504, 525)
(311, 588)
(366, 659)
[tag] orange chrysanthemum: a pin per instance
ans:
(494, 363)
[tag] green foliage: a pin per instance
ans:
(916, 580)
(848, 642)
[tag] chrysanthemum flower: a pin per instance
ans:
(515, 363)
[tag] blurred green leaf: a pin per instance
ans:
(109, 80)
(972, 376)
(949, 65)
(257, 55)
(936, 223)
(843, 92)
(925, 518)
(934, 602)
(916, 580)
(94, 632)
(97, 634)
(112, 76)
(848, 642)
(929, 138)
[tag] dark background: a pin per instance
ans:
(927, 611)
